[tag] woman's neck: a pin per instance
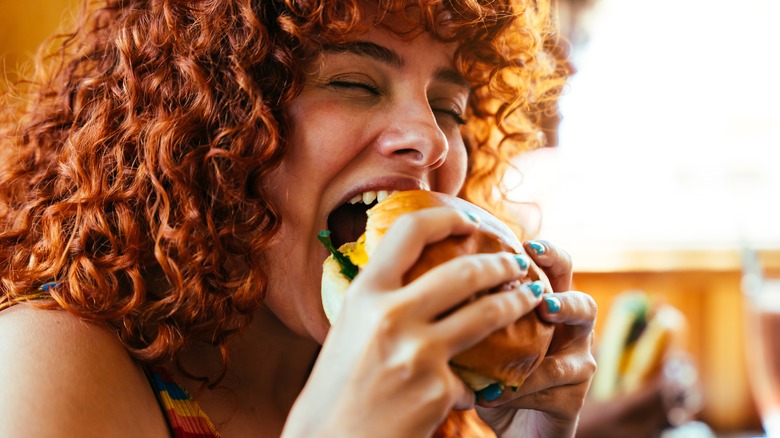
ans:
(267, 367)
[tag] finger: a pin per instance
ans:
(471, 323)
(563, 401)
(453, 282)
(405, 240)
(575, 309)
(570, 370)
(464, 397)
(555, 262)
(575, 316)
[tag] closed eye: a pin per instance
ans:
(353, 85)
(454, 114)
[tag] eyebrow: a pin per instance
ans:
(453, 77)
(390, 57)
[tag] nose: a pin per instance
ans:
(412, 134)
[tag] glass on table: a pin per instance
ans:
(761, 293)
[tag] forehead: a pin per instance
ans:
(465, 26)
(384, 47)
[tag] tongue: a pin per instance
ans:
(347, 223)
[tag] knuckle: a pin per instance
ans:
(508, 263)
(591, 365)
(591, 309)
(390, 320)
(390, 315)
(497, 307)
(493, 309)
(470, 271)
(387, 327)
(409, 359)
(565, 257)
(440, 390)
(515, 303)
(400, 371)
(525, 296)
(558, 370)
(543, 397)
(440, 393)
(504, 307)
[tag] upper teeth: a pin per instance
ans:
(371, 196)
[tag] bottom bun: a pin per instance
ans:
(507, 356)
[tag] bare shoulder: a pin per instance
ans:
(60, 375)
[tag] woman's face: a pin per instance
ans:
(379, 114)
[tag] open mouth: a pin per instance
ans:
(348, 222)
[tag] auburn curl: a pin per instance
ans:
(134, 160)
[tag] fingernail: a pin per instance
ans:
(553, 304)
(537, 287)
(492, 392)
(472, 216)
(537, 247)
(522, 261)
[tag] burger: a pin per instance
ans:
(637, 336)
(507, 356)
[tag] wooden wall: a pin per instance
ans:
(706, 288)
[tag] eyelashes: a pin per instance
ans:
(354, 85)
(455, 114)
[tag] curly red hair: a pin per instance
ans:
(140, 154)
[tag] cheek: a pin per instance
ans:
(321, 135)
(452, 175)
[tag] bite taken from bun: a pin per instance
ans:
(502, 360)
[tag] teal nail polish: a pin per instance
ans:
(537, 287)
(538, 248)
(522, 261)
(553, 304)
(491, 393)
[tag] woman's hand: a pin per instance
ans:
(383, 369)
(549, 402)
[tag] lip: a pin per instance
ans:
(386, 183)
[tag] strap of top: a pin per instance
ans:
(185, 417)
(42, 295)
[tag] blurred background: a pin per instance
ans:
(24, 25)
(664, 168)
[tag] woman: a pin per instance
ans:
(165, 185)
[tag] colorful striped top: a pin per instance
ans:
(185, 418)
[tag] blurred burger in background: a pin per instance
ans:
(646, 382)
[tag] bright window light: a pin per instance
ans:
(671, 131)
